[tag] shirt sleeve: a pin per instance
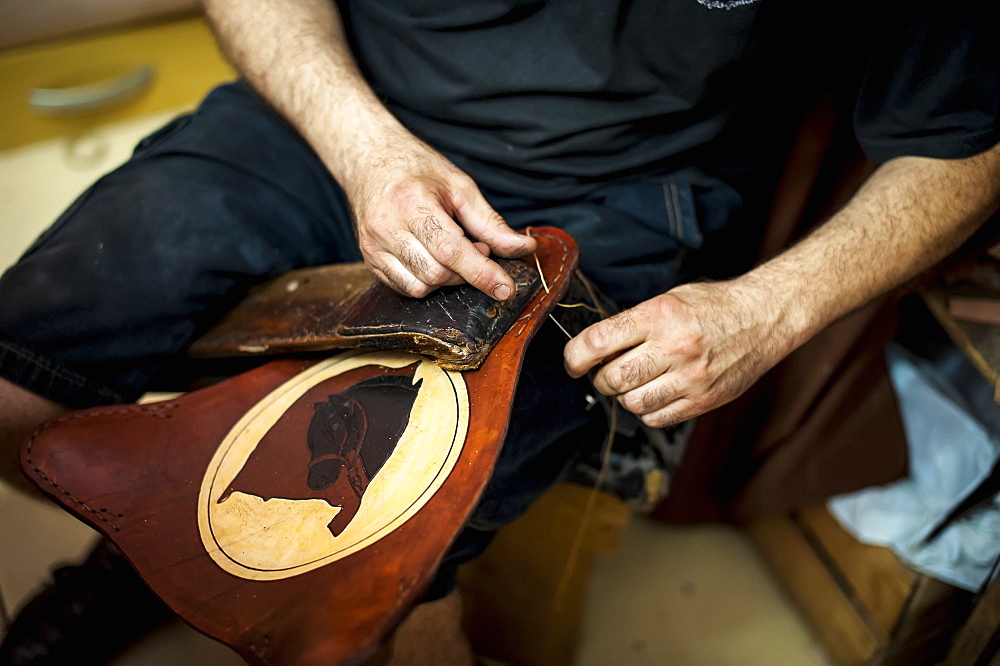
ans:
(931, 87)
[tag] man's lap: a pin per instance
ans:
(154, 252)
(150, 255)
(229, 196)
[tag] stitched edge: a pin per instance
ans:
(152, 410)
(559, 274)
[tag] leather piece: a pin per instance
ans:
(455, 325)
(139, 473)
(344, 307)
(293, 312)
(348, 440)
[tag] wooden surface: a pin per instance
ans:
(849, 637)
(928, 625)
(188, 64)
(978, 643)
(865, 606)
(143, 475)
(40, 20)
(881, 582)
(513, 613)
(980, 342)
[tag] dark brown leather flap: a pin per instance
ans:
(344, 307)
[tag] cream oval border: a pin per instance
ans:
(280, 538)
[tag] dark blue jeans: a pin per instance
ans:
(108, 298)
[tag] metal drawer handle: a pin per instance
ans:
(62, 101)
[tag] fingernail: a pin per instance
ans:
(501, 292)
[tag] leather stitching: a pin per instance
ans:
(99, 514)
(562, 270)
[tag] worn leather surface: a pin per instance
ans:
(344, 307)
(138, 474)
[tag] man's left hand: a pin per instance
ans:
(681, 354)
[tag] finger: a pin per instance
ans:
(600, 341)
(636, 367)
(485, 224)
(393, 274)
(653, 395)
(678, 411)
(417, 259)
(452, 251)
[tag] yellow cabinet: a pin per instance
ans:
(81, 82)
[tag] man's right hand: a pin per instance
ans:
(413, 212)
(413, 208)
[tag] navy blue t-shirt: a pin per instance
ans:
(552, 98)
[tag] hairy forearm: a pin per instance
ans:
(294, 52)
(700, 345)
(910, 214)
(420, 222)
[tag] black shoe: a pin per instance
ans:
(91, 613)
(641, 464)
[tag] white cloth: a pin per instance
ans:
(951, 452)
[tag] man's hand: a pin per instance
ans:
(412, 211)
(683, 353)
(701, 345)
(412, 207)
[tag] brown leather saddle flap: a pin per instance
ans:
(212, 496)
(344, 307)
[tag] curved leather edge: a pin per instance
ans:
(89, 463)
(343, 307)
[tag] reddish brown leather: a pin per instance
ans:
(134, 471)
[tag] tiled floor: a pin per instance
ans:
(670, 596)
(690, 595)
